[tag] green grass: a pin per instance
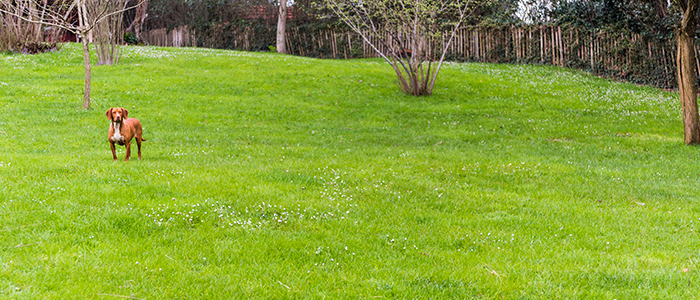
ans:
(271, 176)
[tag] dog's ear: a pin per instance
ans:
(109, 114)
(126, 113)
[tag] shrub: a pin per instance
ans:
(130, 38)
(34, 48)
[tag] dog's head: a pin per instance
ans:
(117, 114)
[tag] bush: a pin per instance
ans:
(130, 38)
(34, 48)
(7, 40)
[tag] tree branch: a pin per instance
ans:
(54, 18)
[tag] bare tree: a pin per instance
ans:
(282, 27)
(16, 32)
(108, 35)
(10, 31)
(413, 36)
(62, 14)
(685, 62)
(136, 25)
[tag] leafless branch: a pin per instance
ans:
(54, 17)
(399, 27)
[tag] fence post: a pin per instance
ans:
(541, 46)
(476, 39)
(592, 47)
(561, 47)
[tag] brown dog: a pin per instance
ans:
(122, 130)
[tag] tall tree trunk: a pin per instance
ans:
(140, 17)
(108, 35)
(281, 27)
(661, 8)
(88, 73)
(685, 63)
(84, 32)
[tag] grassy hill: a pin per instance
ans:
(271, 176)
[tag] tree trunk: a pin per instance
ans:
(84, 32)
(108, 35)
(685, 62)
(281, 27)
(140, 17)
(88, 73)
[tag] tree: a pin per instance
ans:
(108, 35)
(685, 64)
(413, 36)
(15, 33)
(63, 14)
(139, 19)
(282, 27)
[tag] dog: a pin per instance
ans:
(122, 130)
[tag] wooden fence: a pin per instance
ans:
(621, 55)
(625, 56)
(178, 37)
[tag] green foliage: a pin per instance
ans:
(34, 48)
(648, 18)
(249, 26)
(11, 44)
(130, 38)
(651, 54)
(321, 179)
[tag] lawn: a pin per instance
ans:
(272, 176)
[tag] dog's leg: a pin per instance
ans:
(114, 152)
(138, 143)
(128, 150)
